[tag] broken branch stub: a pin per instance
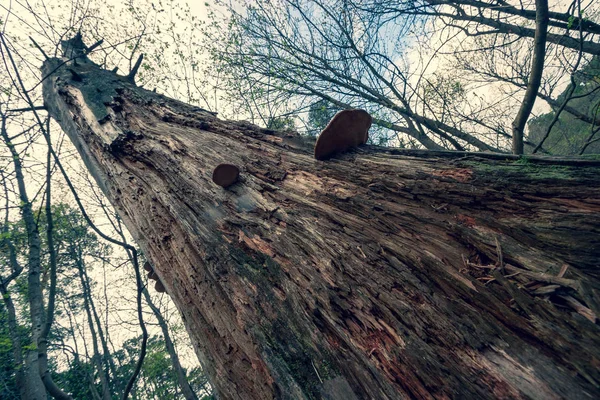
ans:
(225, 175)
(347, 129)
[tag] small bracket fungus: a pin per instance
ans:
(225, 175)
(159, 287)
(147, 266)
(347, 129)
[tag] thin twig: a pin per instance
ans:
(317, 372)
(27, 109)
(500, 257)
(542, 277)
(580, 308)
(39, 48)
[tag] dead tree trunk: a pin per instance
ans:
(380, 274)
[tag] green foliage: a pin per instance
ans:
(569, 133)
(74, 379)
(319, 115)
(75, 242)
(70, 229)
(31, 346)
(158, 379)
(8, 387)
(281, 123)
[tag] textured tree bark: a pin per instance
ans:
(380, 274)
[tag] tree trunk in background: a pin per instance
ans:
(34, 388)
(182, 380)
(15, 339)
(88, 305)
(380, 274)
(535, 76)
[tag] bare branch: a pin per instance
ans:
(134, 70)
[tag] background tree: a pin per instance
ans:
(87, 375)
(398, 60)
(572, 125)
(535, 75)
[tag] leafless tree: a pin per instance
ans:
(420, 67)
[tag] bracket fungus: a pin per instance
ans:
(347, 129)
(159, 287)
(225, 175)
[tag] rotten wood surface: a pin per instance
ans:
(380, 274)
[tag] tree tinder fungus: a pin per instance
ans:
(346, 130)
(225, 175)
(159, 287)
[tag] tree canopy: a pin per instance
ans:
(435, 74)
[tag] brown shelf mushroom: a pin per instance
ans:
(152, 275)
(225, 175)
(159, 287)
(147, 266)
(347, 129)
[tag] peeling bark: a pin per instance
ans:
(380, 274)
